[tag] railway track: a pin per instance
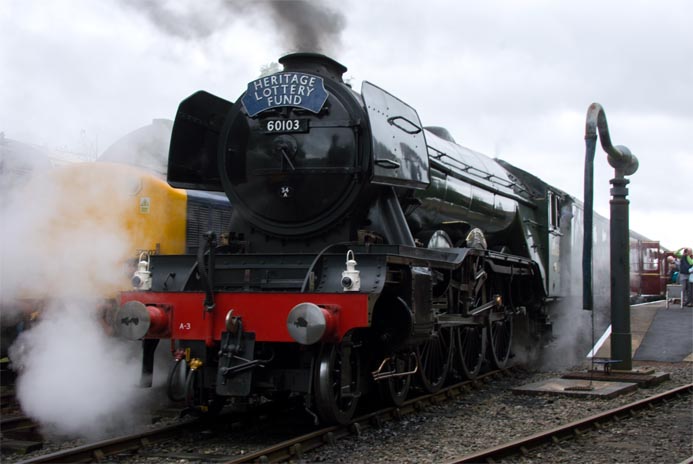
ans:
(284, 450)
(556, 435)
(294, 448)
(99, 450)
(19, 435)
(8, 401)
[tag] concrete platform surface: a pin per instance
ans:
(657, 333)
(669, 337)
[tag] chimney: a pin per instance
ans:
(314, 63)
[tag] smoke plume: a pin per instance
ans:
(307, 26)
(298, 25)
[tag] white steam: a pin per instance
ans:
(574, 329)
(73, 380)
(63, 251)
(573, 334)
(63, 236)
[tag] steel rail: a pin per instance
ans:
(522, 445)
(97, 451)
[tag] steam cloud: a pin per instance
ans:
(64, 247)
(301, 25)
(73, 380)
(574, 329)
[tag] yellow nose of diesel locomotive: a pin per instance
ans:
(89, 220)
(155, 219)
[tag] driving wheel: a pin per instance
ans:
(434, 357)
(470, 343)
(394, 390)
(471, 340)
(500, 329)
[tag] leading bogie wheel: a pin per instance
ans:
(336, 403)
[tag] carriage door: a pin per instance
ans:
(652, 276)
(555, 234)
(400, 156)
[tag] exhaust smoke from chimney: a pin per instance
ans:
(299, 25)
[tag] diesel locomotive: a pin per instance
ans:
(366, 253)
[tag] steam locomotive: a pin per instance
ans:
(366, 254)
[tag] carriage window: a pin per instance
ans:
(554, 210)
(649, 259)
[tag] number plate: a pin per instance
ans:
(276, 126)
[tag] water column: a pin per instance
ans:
(624, 164)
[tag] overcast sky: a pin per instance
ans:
(512, 79)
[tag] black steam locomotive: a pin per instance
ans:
(365, 254)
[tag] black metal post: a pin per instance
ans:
(624, 164)
(621, 344)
